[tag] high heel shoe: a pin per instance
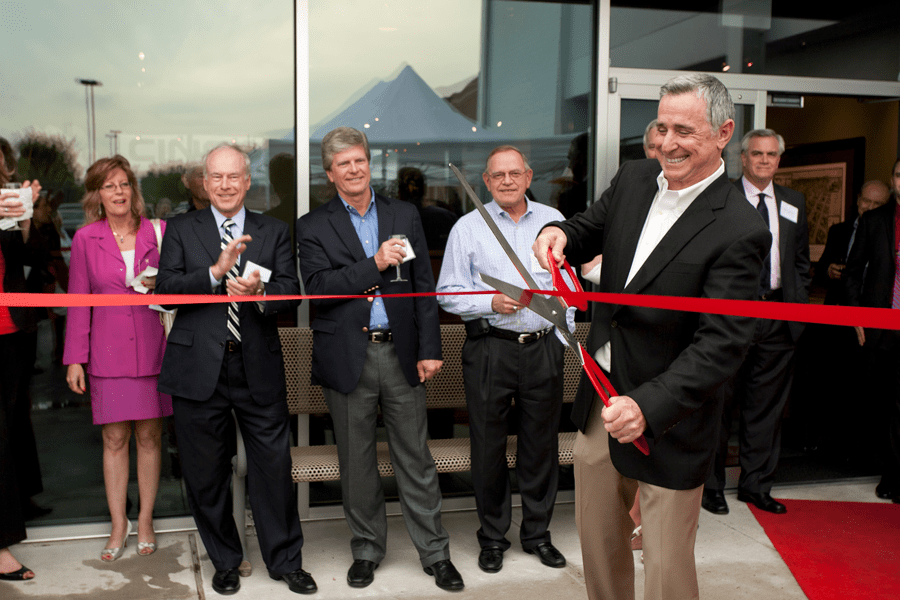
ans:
(142, 546)
(146, 548)
(111, 554)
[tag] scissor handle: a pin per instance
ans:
(559, 284)
(605, 389)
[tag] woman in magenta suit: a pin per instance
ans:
(122, 346)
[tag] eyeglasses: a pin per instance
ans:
(112, 187)
(500, 175)
(232, 177)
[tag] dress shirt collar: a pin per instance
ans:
(681, 199)
(496, 211)
(752, 192)
(352, 210)
(238, 219)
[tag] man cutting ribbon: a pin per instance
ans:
(682, 231)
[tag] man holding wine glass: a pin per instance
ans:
(375, 351)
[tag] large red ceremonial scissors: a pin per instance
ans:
(545, 306)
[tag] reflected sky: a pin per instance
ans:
(212, 69)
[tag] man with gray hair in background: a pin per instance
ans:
(679, 230)
(762, 386)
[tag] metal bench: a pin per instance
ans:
(445, 390)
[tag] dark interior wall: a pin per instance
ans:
(826, 118)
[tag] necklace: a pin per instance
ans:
(118, 235)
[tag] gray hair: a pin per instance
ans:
(234, 147)
(340, 139)
(745, 141)
(719, 107)
(505, 148)
(650, 127)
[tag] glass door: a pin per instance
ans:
(631, 107)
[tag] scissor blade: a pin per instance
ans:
(525, 273)
(548, 309)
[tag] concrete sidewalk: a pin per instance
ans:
(735, 560)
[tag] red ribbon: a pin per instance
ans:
(877, 318)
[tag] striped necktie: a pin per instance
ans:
(765, 277)
(234, 323)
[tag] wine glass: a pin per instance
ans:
(409, 254)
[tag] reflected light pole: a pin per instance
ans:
(113, 136)
(91, 128)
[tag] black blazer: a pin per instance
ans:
(835, 252)
(793, 247)
(332, 261)
(196, 344)
(869, 275)
(671, 363)
(16, 255)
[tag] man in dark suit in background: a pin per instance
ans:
(685, 231)
(829, 359)
(227, 357)
(872, 279)
(840, 238)
(371, 352)
(762, 386)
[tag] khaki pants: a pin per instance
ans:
(669, 519)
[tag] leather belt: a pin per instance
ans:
(773, 295)
(231, 346)
(380, 336)
(522, 338)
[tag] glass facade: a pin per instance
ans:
(159, 83)
(763, 37)
(432, 91)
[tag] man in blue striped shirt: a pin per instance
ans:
(509, 354)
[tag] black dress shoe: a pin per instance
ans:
(299, 581)
(763, 501)
(446, 576)
(361, 573)
(714, 502)
(886, 489)
(490, 559)
(227, 582)
(549, 555)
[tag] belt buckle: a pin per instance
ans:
(523, 338)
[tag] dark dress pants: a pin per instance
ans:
(12, 523)
(495, 372)
(881, 388)
(760, 390)
(355, 415)
(205, 432)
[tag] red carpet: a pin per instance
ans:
(838, 550)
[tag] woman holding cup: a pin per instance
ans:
(122, 346)
(14, 323)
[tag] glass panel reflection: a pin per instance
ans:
(770, 37)
(159, 84)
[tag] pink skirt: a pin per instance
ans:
(117, 399)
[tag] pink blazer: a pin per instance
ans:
(114, 341)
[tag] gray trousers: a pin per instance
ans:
(403, 407)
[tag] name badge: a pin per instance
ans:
(789, 212)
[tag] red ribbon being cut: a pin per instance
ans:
(876, 318)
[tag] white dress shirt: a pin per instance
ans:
(752, 194)
(666, 209)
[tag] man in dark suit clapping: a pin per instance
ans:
(375, 351)
(227, 357)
